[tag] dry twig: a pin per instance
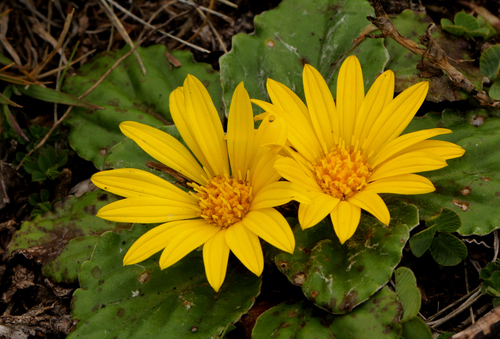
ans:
(436, 56)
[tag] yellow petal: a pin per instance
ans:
(262, 172)
(215, 256)
(311, 214)
(350, 94)
(272, 132)
(185, 238)
(403, 142)
(148, 210)
(409, 162)
(246, 246)
(131, 182)
(321, 108)
(149, 243)
(372, 203)
(379, 96)
(271, 226)
(345, 220)
(240, 132)
(292, 171)
(446, 150)
(205, 124)
(177, 105)
(401, 184)
(279, 193)
(395, 117)
(164, 148)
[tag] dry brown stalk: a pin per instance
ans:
(434, 53)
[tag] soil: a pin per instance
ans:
(31, 306)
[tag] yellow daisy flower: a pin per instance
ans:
(346, 153)
(231, 206)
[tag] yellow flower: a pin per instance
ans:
(346, 153)
(231, 206)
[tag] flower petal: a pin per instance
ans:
(131, 182)
(262, 172)
(205, 124)
(311, 214)
(379, 95)
(345, 219)
(177, 103)
(321, 108)
(164, 148)
(446, 150)
(409, 162)
(272, 132)
(350, 94)
(150, 242)
(372, 203)
(246, 246)
(215, 256)
(240, 132)
(401, 184)
(279, 193)
(395, 117)
(185, 238)
(148, 210)
(293, 172)
(271, 226)
(403, 142)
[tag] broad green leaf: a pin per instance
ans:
(407, 292)
(338, 277)
(415, 328)
(447, 221)
(376, 318)
(421, 241)
(494, 91)
(142, 301)
(466, 20)
(47, 236)
(297, 32)
(128, 94)
(448, 250)
(490, 62)
(51, 95)
(469, 185)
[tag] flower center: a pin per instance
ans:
(224, 201)
(342, 173)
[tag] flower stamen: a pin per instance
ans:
(223, 201)
(342, 172)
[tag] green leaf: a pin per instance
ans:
(142, 301)
(38, 176)
(448, 250)
(408, 292)
(338, 277)
(44, 163)
(490, 62)
(494, 91)
(50, 234)
(376, 318)
(128, 94)
(315, 32)
(415, 328)
(466, 20)
(447, 221)
(469, 185)
(421, 241)
(51, 95)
